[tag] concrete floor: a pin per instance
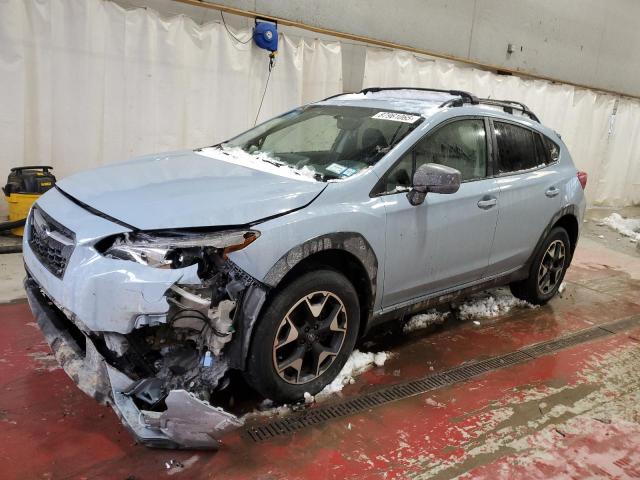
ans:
(594, 230)
(571, 414)
(12, 270)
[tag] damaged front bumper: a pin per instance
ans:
(186, 422)
(153, 340)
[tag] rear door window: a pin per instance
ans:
(516, 148)
(541, 152)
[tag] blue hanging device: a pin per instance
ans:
(265, 34)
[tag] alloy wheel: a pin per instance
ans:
(310, 337)
(551, 267)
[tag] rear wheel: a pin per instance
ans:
(547, 269)
(304, 337)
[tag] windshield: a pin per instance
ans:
(327, 142)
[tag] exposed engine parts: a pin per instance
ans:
(215, 323)
(185, 348)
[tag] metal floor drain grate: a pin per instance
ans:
(621, 325)
(321, 414)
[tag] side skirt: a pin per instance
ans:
(425, 302)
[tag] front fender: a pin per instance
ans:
(253, 299)
(351, 242)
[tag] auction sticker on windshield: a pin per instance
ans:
(397, 117)
(336, 168)
(341, 170)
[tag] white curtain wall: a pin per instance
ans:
(86, 82)
(609, 150)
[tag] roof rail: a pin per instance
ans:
(465, 97)
(337, 95)
(509, 106)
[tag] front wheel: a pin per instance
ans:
(304, 337)
(547, 269)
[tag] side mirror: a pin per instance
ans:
(431, 177)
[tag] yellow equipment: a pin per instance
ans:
(24, 186)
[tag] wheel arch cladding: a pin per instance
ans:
(570, 223)
(567, 218)
(347, 252)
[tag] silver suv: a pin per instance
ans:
(272, 253)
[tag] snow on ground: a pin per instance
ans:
(562, 288)
(424, 320)
(269, 409)
(357, 363)
(491, 303)
(629, 227)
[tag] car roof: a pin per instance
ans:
(409, 101)
(427, 102)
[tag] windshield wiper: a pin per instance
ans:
(217, 145)
(279, 163)
(275, 162)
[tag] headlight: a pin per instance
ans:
(178, 250)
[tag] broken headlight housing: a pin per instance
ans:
(177, 249)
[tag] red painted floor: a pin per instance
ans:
(574, 414)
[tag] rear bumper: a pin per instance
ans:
(187, 422)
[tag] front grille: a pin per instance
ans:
(51, 242)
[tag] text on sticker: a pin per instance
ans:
(397, 117)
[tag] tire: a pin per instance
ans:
(536, 290)
(317, 314)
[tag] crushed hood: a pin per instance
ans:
(191, 189)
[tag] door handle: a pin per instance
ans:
(487, 202)
(552, 192)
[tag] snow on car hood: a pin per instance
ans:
(192, 189)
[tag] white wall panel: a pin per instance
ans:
(619, 181)
(86, 82)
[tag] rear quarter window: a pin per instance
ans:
(552, 149)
